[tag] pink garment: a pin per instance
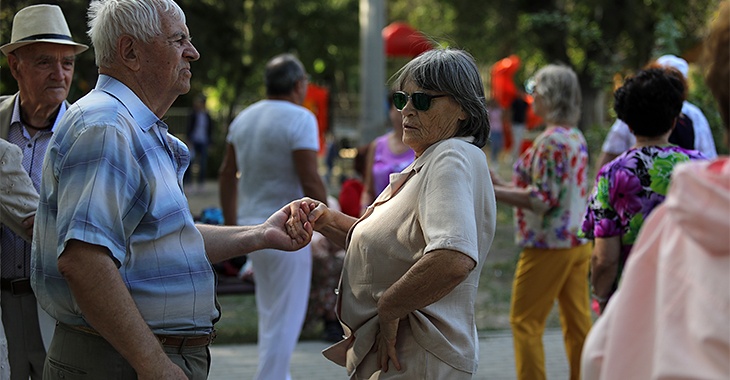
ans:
(670, 318)
(385, 162)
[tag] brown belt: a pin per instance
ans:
(177, 341)
(17, 286)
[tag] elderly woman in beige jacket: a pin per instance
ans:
(18, 202)
(408, 288)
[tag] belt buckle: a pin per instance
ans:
(20, 287)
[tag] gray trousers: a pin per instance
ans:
(76, 354)
(26, 352)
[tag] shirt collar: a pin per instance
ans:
(15, 118)
(422, 159)
(144, 117)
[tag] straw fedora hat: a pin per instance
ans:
(40, 23)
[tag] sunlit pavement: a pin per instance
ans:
(496, 359)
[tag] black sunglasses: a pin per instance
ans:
(421, 100)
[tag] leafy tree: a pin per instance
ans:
(597, 38)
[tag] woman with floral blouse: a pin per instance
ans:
(628, 188)
(549, 193)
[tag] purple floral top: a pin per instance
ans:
(627, 189)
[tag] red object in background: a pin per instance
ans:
(504, 91)
(317, 101)
(401, 40)
(503, 72)
(350, 195)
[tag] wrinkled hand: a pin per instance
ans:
(308, 210)
(28, 225)
(385, 344)
(288, 228)
(165, 370)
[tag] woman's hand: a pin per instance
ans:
(385, 343)
(309, 210)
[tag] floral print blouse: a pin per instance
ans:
(627, 189)
(554, 169)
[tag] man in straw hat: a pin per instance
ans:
(117, 257)
(41, 57)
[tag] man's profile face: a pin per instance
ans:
(168, 58)
(43, 71)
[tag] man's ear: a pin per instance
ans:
(13, 63)
(127, 52)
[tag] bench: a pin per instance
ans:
(228, 285)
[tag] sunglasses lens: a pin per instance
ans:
(399, 100)
(421, 101)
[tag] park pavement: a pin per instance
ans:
(496, 359)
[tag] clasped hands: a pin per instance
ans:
(303, 215)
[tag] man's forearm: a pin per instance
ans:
(226, 242)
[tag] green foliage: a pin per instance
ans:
(701, 96)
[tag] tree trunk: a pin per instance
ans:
(593, 109)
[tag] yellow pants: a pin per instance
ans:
(543, 275)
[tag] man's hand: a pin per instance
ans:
(28, 225)
(166, 369)
(288, 228)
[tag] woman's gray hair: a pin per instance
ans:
(282, 74)
(455, 73)
(559, 89)
(110, 19)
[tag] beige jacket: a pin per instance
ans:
(18, 198)
(18, 201)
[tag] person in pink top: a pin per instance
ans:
(670, 319)
(387, 154)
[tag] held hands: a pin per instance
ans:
(306, 213)
(288, 228)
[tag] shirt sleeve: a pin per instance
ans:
(704, 142)
(18, 198)
(306, 134)
(99, 182)
(601, 220)
(447, 203)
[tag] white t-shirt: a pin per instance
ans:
(620, 138)
(264, 136)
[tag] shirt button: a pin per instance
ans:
(30, 145)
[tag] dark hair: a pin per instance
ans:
(674, 72)
(282, 74)
(453, 72)
(650, 101)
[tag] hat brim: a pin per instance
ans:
(9, 48)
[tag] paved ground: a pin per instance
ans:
(496, 359)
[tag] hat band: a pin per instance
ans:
(49, 36)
